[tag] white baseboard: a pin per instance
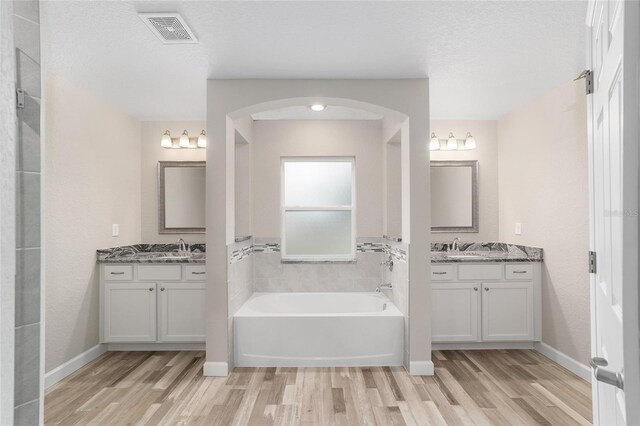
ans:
(564, 360)
(74, 364)
(215, 369)
(421, 368)
(461, 346)
(155, 346)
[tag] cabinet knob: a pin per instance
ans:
(150, 288)
(486, 289)
(475, 289)
(162, 289)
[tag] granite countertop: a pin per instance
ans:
(485, 252)
(468, 252)
(151, 253)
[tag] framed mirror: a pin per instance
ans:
(454, 196)
(181, 197)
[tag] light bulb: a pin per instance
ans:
(434, 143)
(469, 142)
(452, 142)
(165, 142)
(184, 140)
(202, 140)
(317, 107)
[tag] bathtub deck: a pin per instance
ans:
(483, 387)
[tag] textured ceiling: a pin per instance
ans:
(483, 58)
(303, 112)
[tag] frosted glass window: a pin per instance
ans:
(318, 209)
(317, 183)
(318, 233)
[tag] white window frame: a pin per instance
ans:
(283, 209)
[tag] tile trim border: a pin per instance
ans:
(364, 247)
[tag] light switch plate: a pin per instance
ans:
(115, 230)
(518, 230)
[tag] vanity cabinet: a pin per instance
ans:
(129, 312)
(507, 311)
(152, 303)
(456, 307)
(485, 303)
(182, 312)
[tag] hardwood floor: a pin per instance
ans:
(508, 387)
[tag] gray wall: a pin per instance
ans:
(27, 395)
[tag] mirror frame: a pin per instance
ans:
(162, 228)
(474, 196)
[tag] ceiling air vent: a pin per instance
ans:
(169, 27)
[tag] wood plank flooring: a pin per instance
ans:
(507, 387)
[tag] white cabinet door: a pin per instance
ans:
(129, 312)
(507, 311)
(455, 308)
(182, 312)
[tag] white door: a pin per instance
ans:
(613, 49)
(507, 311)
(129, 312)
(182, 312)
(455, 312)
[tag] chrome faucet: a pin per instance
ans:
(455, 245)
(381, 287)
(388, 263)
(183, 249)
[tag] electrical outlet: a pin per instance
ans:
(115, 230)
(518, 230)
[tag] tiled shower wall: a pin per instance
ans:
(270, 275)
(27, 304)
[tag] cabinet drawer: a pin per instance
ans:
(491, 271)
(196, 272)
(441, 272)
(519, 272)
(118, 273)
(160, 272)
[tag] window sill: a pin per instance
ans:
(335, 261)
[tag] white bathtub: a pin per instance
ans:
(318, 329)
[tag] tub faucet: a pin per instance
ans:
(455, 245)
(388, 263)
(381, 287)
(182, 248)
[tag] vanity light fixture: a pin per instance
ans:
(317, 107)
(434, 143)
(184, 141)
(202, 140)
(166, 142)
(451, 143)
(469, 142)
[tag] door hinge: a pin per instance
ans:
(588, 79)
(19, 98)
(592, 262)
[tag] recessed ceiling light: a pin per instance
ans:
(318, 107)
